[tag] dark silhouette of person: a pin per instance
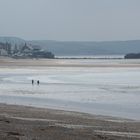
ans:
(32, 82)
(38, 82)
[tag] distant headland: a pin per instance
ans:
(132, 56)
(20, 48)
(17, 48)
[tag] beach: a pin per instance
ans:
(28, 123)
(76, 99)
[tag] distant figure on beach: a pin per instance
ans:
(38, 82)
(32, 82)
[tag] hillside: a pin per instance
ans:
(12, 40)
(70, 48)
(18, 48)
(90, 48)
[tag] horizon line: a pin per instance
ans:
(70, 40)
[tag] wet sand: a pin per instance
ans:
(8, 62)
(28, 123)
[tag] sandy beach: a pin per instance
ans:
(29, 123)
(69, 70)
(8, 62)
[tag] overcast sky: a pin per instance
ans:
(81, 20)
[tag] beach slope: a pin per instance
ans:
(28, 123)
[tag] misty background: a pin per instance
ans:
(71, 20)
(73, 27)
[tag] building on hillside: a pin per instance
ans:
(26, 51)
(5, 49)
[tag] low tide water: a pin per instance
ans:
(97, 90)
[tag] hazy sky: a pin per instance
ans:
(84, 20)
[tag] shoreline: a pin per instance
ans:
(20, 67)
(19, 122)
(22, 122)
(54, 104)
(93, 63)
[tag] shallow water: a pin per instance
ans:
(103, 91)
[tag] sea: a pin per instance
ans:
(109, 91)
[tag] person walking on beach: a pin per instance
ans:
(32, 82)
(38, 82)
